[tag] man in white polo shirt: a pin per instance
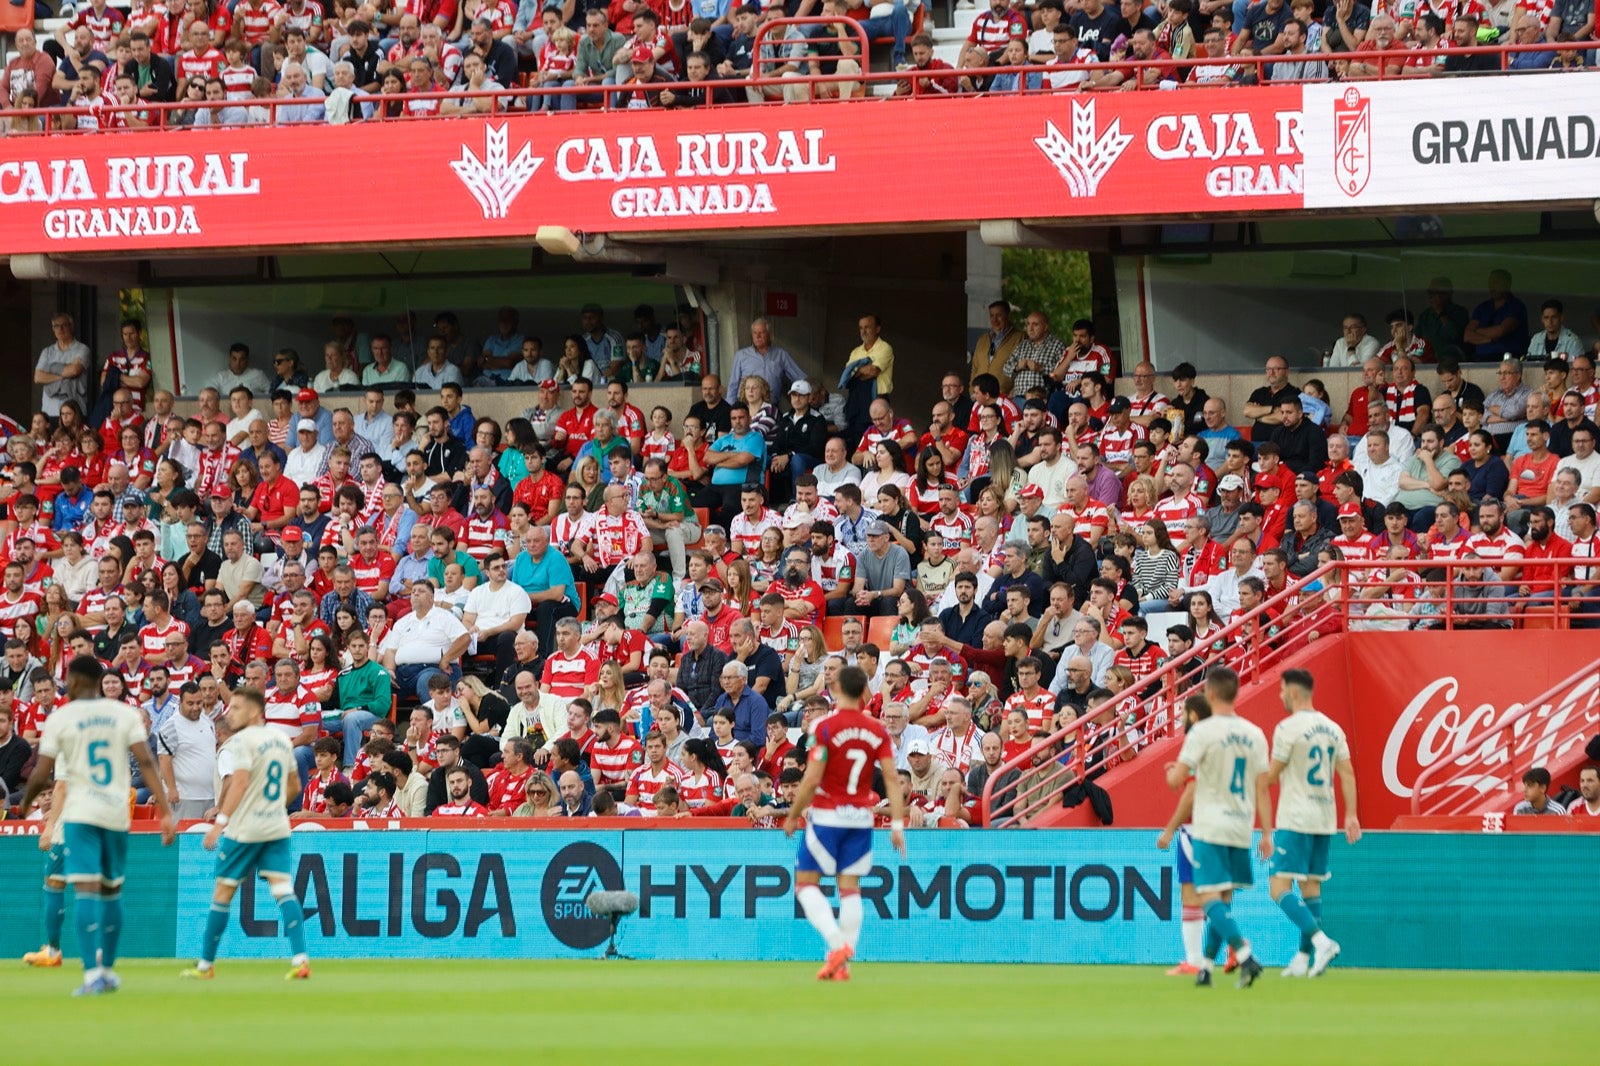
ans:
(495, 613)
(423, 643)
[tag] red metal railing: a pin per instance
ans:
(610, 97)
(1326, 601)
(1491, 761)
(1123, 726)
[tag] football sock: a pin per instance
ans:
(294, 925)
(1226, 928)
(1194, 931)
(820, 914)
(110, 928)
(86, 910)
(216, 923)
(55, 914)
(1213, 944)
(1314, 905)
(1295, 910)
(850, 915)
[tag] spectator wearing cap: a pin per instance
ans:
(1555, 339)
(883, 572)
(1119, 435)
(1307, 490)
(639, 89)
(1224, 515)
(308, 404)
(1274, 504)
(800, 439)
(305, 459)
(1265, 404)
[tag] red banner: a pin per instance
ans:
(734, 168)
(1416, 698)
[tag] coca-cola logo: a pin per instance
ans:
(1435, 726)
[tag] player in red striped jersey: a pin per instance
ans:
(17, 605)
(838, 791)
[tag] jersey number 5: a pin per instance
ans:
(858, 764)
(99, 765)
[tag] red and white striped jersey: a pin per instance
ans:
(1095, 517)
(237, 80)
(1439, 548)
(290, 712)
(1176, 513)
(484, 535)
(645, 782)
(613, 764)
(745, 533)
(1039, 708)
(875, 436)
(24, 607)
(564, 529)
(926, 501)
(838, 568)
(655, 447)
(43, 537)
(630, 420)
(1503, 545)
(701, 789)
(192, 64)
(781, 639)
(1116, 446)
(314, 798)
(1153, 404)
(469, 809)
(1147, 662)
(370, 572)
(565, 676)
(310, 14)
(104, 25)
(97, 536)
(955, 528)
(257, 21)
(1357, 549)
(992, 32)
(153, 639)
(1096, 360)
(824, 511)
(614, 538)
(43, 575)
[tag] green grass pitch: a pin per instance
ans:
(714, 1012)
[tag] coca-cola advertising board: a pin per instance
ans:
(1415, 698)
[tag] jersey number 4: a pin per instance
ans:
(1236, 781)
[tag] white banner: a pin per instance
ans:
(1515, 138)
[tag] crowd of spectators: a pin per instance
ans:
(590, 608)
(303, 61)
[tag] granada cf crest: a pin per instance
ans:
(1352, 141)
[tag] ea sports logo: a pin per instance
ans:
(575, 872)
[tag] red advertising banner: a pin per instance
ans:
(1415, 698)
(822, 164)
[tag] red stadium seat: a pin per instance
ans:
(833, 629)
(879, 630)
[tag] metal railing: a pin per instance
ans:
(1492, 760)
(607, 97)
(1324, 602)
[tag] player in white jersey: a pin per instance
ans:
(55, 881)
(91, 738)
(1193, 921)
(1308, 749)
(252, 825)
(1227, 757)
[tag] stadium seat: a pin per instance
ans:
(702, 518)
(1160, 622)
(879, 630)
(833, 629)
